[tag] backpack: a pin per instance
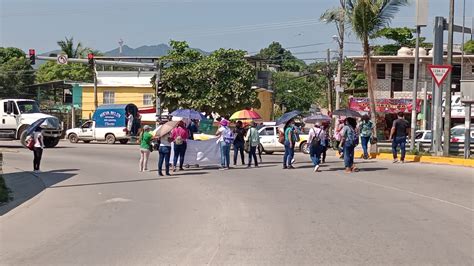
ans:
(316, 141)
(228, 136)
(30, 143)
(352, 137)
(281, 136)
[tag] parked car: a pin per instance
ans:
(423, 136)
(457, 134)
(269, 140)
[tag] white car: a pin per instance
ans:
(423, 136)
(457, 134)
(269, 140)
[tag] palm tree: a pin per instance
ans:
(67, 47)
(366, 18)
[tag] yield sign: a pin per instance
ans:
(439, 72)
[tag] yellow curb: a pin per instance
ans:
(422, 159)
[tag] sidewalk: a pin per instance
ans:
(23, 185)
(421, 159)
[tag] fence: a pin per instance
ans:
(455, 148)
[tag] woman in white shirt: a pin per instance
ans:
(38, 149)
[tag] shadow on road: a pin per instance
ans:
(175, 176)
(26, 185)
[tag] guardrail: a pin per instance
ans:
(455, 148)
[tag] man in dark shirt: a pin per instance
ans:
(398, 136)
(239, 142)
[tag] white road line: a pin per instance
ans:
(413, 193)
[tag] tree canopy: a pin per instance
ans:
(402, 37)
(278, 55)
(15, 72)
(220, 82)
(51, 71)
(469, 47)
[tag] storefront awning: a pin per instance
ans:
(384, 105)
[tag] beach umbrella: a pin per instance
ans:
(287, 117)
(347, 113)
(34, 126)
(188, 114)
(245, 115)
(316, 118)
(166, 128)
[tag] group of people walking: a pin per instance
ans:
(243, 139)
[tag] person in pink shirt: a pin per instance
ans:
(179, 135)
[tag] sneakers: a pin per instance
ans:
(316, 168)
(291, 167)
(395, 160)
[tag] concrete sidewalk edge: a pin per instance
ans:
(422, 159)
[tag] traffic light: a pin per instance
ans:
(32, 54)
(91, 60)
(159, 90)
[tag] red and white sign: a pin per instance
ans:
(439, 73)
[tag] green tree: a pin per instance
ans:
(469, 47)
(367, 17)
(51, 71)
(298, 93)
(278, 55)
(15, 72)
(403, 37)
(220, 82)
(73, 51)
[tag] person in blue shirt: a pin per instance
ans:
(290, 142)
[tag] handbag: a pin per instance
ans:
(31, 144)
(373, 140)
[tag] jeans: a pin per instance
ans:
(165, 153)
(239, 146)
(348, 156)
(38, 154)
(289, 154)
(402, 142)
(315, 154)
(179, 151)
(253, 153)
(225, 154)
(365, 141)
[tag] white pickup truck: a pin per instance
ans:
(89, 132)
(17, 114)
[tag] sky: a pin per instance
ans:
(206, 24)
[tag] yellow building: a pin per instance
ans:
(116, 87)
(266, 104)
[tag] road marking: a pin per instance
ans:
(117, 200)
(413, 193)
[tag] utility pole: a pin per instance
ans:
(415, 89)
(329, 89)
(157, 92)
(341, 52)
(96, 101)
(447, 105)
(437, 91)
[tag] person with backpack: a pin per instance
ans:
(398, 135)
(349, 141)
(366, 128)
(179, 135)
(145, 147)
(225, 139)
(239, 142)
(290, 141)
(317, 141)
(253, 140)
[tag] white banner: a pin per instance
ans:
(205, 152)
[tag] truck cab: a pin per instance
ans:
(17, 114)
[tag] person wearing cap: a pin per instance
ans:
(253, 139)
(179, 135)
(317, 141)
(145, 147)
(225, 139)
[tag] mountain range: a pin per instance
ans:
(144, 50)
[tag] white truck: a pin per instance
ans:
(17, 114)
(89, 132)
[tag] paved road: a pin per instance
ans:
(97, 209)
